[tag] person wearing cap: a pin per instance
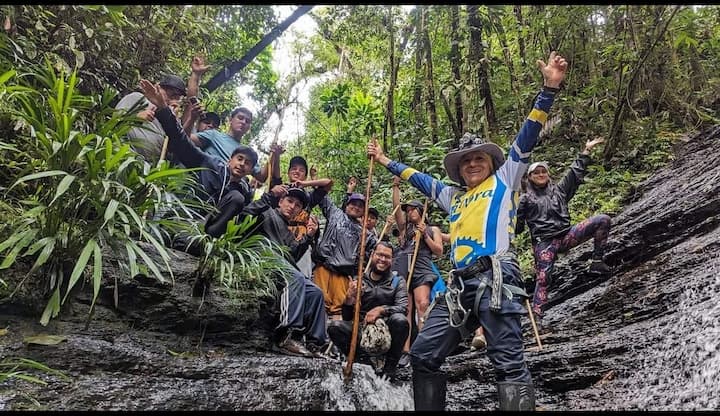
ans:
(301, 303)
(337, 253)
(297, 176)
(373, 213)
(224, 183)
(544, 208)
(147, 139)
(485, 289)
(384, 296)
(410, 219)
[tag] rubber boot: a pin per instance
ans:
(429, 390)
(516, 396)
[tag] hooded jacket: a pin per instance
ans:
(545, 210)
(388, 292)
(216, 179)
(339, 245)
(275, 226)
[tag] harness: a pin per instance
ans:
(455, 288)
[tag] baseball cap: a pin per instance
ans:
(173, 81)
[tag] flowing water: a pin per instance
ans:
(366, 391)
(681, 371)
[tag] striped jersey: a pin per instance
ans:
(482, 219)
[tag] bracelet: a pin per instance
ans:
(551, 90)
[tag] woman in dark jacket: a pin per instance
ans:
(544, 208)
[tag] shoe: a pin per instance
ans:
(294, 348)
(404, 360)
(478, 342)
(318, 351)
(599, 267)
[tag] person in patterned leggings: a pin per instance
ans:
(544, 208)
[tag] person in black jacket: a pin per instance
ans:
(384, 296)
(224, 183)
(301, 302)
(544, 208)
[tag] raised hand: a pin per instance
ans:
(153, 94)
(198, 65)
(554, 71)
(592, 143)
(352, 183)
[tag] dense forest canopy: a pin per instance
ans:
(416, 78)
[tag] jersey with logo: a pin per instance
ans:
(482, 219)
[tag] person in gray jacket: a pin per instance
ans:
(544, 208)
(337, 254)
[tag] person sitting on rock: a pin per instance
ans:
(383, 297)
(301, 302)
(544, 208)
(297, 176)
(224, 183)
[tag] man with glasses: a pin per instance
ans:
(384, 297)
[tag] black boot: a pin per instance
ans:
(516, 396)
(429, 390)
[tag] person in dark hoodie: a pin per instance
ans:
(224, 183)
(544, 208)
(301, 302)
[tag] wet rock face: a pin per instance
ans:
(645, 337)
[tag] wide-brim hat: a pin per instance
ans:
(300, 194)
(537, 165)
(471, 143)
(414, 203)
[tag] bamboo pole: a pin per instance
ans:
(532, 321)
(347, 371)
(382, 234)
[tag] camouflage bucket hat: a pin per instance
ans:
(375, 338)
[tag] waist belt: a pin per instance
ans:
(480, 265)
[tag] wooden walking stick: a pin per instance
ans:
(532, 321)
(382, 234)
(418, 235)
(347, 371)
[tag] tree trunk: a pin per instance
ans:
(476, 58)
(430, 88)
(514, 87)
(390, 107)
(458, 126)
(417, 88)
(517, 10)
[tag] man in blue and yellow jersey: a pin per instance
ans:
(484, 288)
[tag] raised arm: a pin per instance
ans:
(399, 215)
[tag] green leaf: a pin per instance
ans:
(80, 266)
(39, 176)
(150, 263)
(97, 273)
(63, 187)
(110, 210)
(52, 308)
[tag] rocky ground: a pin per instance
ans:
(645, 337)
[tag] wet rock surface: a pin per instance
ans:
(645, 337)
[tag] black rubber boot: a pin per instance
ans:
(516, 396)
(429, 390)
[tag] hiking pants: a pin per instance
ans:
(340, 333)
(231, 204)
(502, 329)
(302, 308)
(545, 253)
(334, 287)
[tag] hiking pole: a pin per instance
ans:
(347, 371)
(382, 234)
(411, 297)
(532, 321)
